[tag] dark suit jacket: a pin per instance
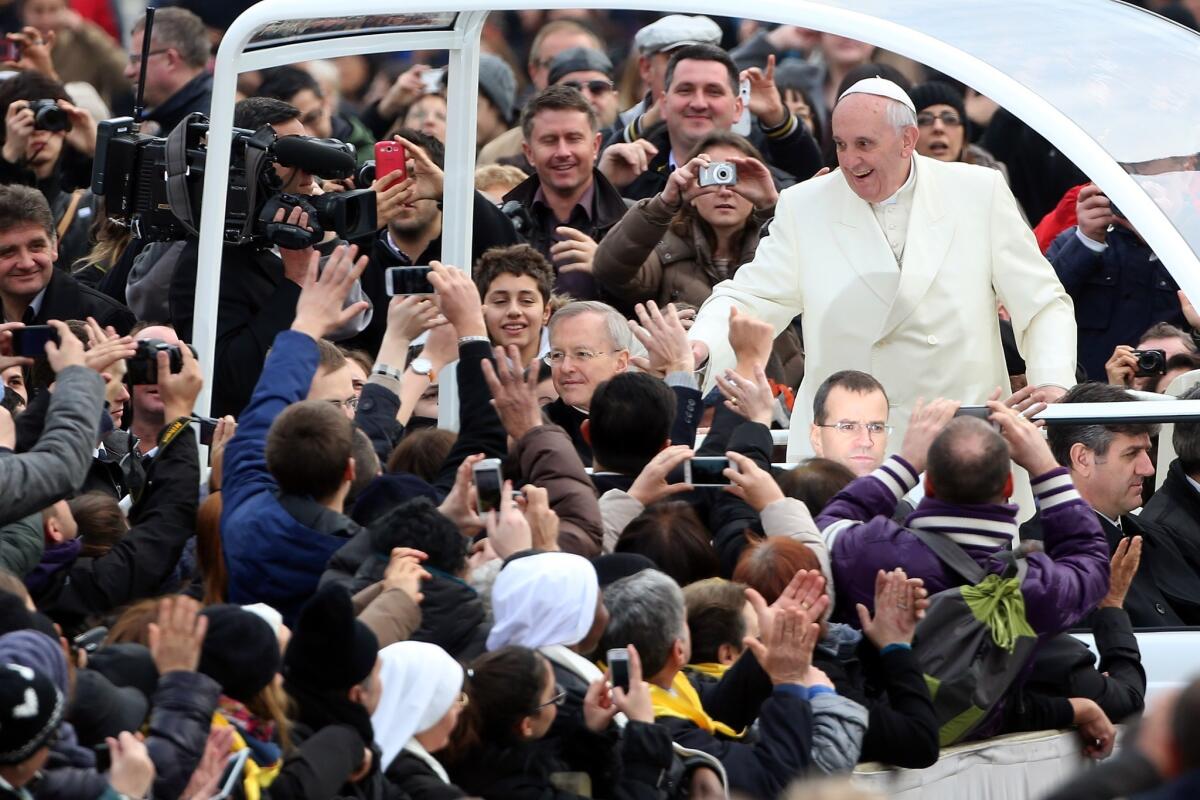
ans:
(1176, 506)
(67, 298)
(1166, 589)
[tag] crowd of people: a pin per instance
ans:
(527, 533)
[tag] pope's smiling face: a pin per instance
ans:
(874, 155)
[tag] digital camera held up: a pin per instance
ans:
(142, 367)
(718, 173)
(48, 115)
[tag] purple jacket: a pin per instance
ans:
(1061, 585)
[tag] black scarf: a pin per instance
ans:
(319, 708)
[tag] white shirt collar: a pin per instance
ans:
(907, 187)
(35, 305)
(1116, 522)
(1195, 484)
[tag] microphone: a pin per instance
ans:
(325, 157)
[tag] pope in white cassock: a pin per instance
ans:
(896, 263)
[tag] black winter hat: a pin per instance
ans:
(31, 708)
(934, 93)
(240, 651)
(330, 649)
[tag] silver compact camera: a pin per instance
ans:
(718, 173)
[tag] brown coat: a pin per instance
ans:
(642, 258)
(547, 458)
(391, 614)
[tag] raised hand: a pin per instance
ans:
(514, 391)
(651, 485)
(322, 308)
(68, 352)
(751, 483)
(508, 529)
(404, 572)
(132, 771)
(1125, 561)
(458, 505)
(751, 340)
(178, 635)
(623, 162)
(750, 397)
(785, 647)
(179, 390)
(766, 103)
(665, 339)
(543, 520)
(1093, 211)
(924, 425)
(458, 298)
(755, 182)
(636, 703)
(1025, 440)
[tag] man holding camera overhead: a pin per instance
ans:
(897, 265)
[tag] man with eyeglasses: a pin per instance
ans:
(850, 421)
(591, 72)
(177, 80)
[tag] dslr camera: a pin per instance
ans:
(142, 367)
(718, 173)
(49, 116)
(154, 186)
(1150, 362)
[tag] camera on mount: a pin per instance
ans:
(154, 185)
(142, 367)
(48, 115)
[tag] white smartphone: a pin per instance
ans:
(706, 471)
(741, 125)
(431, 79)
(488, 483)
(618, 665)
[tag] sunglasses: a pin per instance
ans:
(594, 87)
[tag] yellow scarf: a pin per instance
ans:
(683, 702)
(254, 777)
(712, 669)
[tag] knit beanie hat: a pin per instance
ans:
(330, 649)
(36, 650)
(30, 712)
(240, 651)
(498, 84)
(935, 93)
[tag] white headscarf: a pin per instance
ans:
(544, 599)
(421, 681)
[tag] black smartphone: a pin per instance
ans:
(207, 426)
(706, 471)
(30, 341)
(407, 280)
(488, 483)
(979, 412)
(89, 641)
(618, 665)
(12, 401)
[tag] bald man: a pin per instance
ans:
(897, 262)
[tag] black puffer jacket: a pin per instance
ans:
(417, 779)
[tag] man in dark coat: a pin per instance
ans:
(177, 80)
(1108, 464)
(31, 289)
(1176, 504)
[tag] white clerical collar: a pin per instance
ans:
(903, 190)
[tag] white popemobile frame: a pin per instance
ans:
(1069, 68)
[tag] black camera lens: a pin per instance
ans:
(49, 116)
(1150, 362)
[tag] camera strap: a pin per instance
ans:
(178, 196)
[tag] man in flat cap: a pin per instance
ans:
(896, 263)
(654, 45)
(591, 72)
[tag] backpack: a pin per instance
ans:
(974, 642)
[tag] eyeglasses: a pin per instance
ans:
(560, 696)
(136, 58)
(556, 357)
(594, 87)
(950, 119)
(849, 428)
(350, 403)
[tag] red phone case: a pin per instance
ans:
(389, 157)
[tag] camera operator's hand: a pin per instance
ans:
(681, 183)
(296, 262)
(69, 353)
(751, 482)
(458, 298)
(651, 485)
(1093, 213)
(441, 346)
(766, 101)
(1121, 366)
(35, 52)
(82, 135)
(623, 162)
(7, 359)
(132, 770)
(178, 390)
(18, 126)
(754, 182)
(390, 195)
(407, 317)
(322, 304)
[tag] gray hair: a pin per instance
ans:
(181, 30)
(1186, 439)
(900, 116)
(618, 329)
(1095, 437)
(646, 610)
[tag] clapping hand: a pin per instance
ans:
(1125, 561)
(899, 604)
(787, 638)
(665, 339)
